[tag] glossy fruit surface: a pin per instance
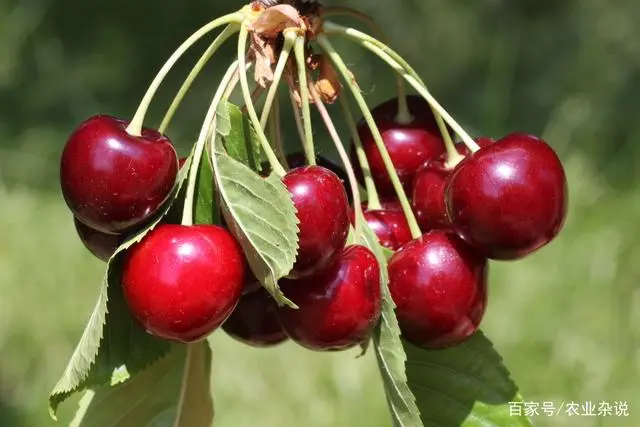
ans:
(113, 181)
(510, 198)
(181, 282)
(338, 307)
(429, 183)
(323, 214)
(101, 245)
(439, 285)
(409, 145)
(390, 226)
(254, 321)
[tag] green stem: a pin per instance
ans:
(276, 135)
(230, 30)
(187, 213)
(304, 97)
(373, 200)
(362, 104)
(276, 167)
(401, 66)
(326, 118)
(135, 127)
(289, 40)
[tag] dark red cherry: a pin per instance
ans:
(439, 286)
(113, 181)
(254, 321)
(181, 282)
(337, 307)
(509, 198)
(101, 245)
(409, 145)
(428, 189)
(390, 226)
(323, 214)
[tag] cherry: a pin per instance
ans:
(337, 307)
(390, 226)
(101, 245)
(113, 181)
(409, 145)
(181, 162)
(254, 321)
(438, 284)
(428, 189)
(181, 282)
(323, 214)
(509, 198)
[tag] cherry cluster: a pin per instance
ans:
(442, 209)
(501, 202)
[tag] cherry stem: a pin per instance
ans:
(195, 71)
(373, 200)
(135, 127)
(326, 45)
(326, 118)
(276, 167)
(276, 135)
(304, 98)
(403, 115)
(289, 40)
(187, 213)
(296, 112)
(401, 66)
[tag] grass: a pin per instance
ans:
(566, 320)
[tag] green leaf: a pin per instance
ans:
(113, 346)
(173, 392)
(205, 210)
(238, 135)
(259, 212)
(467, 385)
(388, 348)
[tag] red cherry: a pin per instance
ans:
(428, 189)
(510, 198)
(337, 307)
(323, 214)
(101, 245)
(391, 205)
(409, 145)
(390, 226)
(113, 181)
(439, 286)
(182, 282)
(254, 321)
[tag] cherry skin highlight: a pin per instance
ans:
(254, 321)
(439, 286)
(430, 181)
(337, 307)
(323, 214)
(113, 181)
(409, 145)
(101, 245)
(181, 282)
(390, 226)
(508, 199)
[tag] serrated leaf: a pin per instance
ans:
(173, 392)
(239, 137)
(467, 385)
(388, 347)
(259, 212)
(113, 346)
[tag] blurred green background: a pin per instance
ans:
(567, 320)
